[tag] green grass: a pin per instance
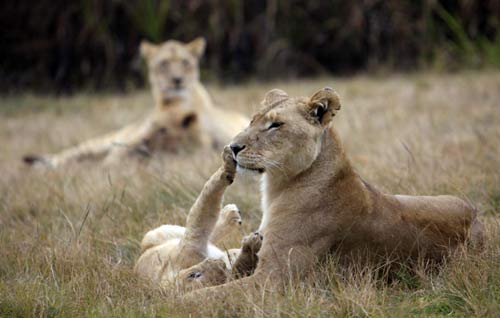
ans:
(470, 52)
(69, 238)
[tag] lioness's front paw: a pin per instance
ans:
(252, 243)
(229, 164)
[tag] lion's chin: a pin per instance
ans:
(173, 94)
(249, 171)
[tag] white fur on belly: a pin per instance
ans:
(214, 253)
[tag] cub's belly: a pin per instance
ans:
(158, 263)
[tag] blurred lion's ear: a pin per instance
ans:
(274, 96)
(323, 105)
(197, 47)
(147, 49)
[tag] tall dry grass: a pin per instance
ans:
(69, 238)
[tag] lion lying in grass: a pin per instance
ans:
(314, 203)
(183, 118)
(187, 256)
(177, 130)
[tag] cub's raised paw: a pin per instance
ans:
(229, 164)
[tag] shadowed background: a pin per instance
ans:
(59, 46)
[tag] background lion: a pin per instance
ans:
(183, 117)
(173, 69)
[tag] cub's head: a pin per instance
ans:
(284, 137)
(174, 131)
(210, 272)
(173, 67)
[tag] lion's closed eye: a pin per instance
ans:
(275, 125)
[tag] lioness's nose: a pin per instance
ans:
(177, 81)
(236, 148)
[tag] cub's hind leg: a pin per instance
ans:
(229, 221)
(161, 234)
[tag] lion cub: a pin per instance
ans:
(187, 255)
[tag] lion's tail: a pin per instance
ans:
(477, 233)
(476, 229)
(33, 159)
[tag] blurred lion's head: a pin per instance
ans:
(173, 67)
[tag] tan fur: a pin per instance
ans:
(188, 255)
(174, 74)
(314, 203)
(173, 130)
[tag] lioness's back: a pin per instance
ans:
(440, 214)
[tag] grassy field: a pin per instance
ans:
(69, 238)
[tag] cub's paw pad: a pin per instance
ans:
(228, 161)
(252, 242)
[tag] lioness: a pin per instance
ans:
(188, 255)
(173, 69)
(314, 202)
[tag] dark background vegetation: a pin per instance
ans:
(59, 45)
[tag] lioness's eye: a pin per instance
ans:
(275, 125)
(163, 66)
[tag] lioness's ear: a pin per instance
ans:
(147, 49)
(197, 47)
(323, 105)
(274, 96)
